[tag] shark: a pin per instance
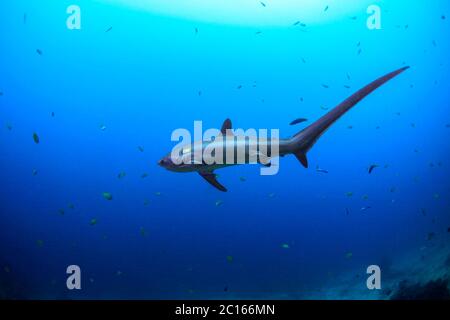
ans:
(297, 145)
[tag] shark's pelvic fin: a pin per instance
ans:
(301, 156)
(211, 178)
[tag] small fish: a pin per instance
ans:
(436, 196)
(353, 18)
(347, 212)
(349, 194)
(365, 208)
(34, 172)
(242, 179)
(53, 114)
(71, 206)
(121, 175)
(423, 211)
(141, 148)
(323, 108)
(299, 23)
(93, 222)
(108, 196)
(219, 203)
(196, 30)
(258, 32)
(359, 51)
(326, 9)
(142, 231)
(239, 86)
(350, 127)
(365, 197)
(102, 127)
(346, 86)
(39, 52)
(108, 30)
(1, 93)
(146, 202)
(392, 189)
(230, 259)
(24, 18)
(443, 17)
(285, 246)
(263, 4)
(157, 193)
(434, 43)
(297, 121)
(430, 236)
(144, 175)
(35, 138)
(349, 255)
(448, 229)
(39, 243)
(321, 170)
(271, 195)
(303, 60)
(61, 211)
(325, 86)
(373, 166)
(199, 93)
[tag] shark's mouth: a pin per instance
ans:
(253, 12)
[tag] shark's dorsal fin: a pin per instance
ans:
(226, 127)
(211, 178)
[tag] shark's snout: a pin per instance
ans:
(166, 162)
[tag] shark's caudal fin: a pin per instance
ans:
(305, 139)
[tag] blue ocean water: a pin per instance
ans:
(105, 99)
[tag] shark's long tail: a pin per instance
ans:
(305, 139)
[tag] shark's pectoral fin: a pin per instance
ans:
(211, 178)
